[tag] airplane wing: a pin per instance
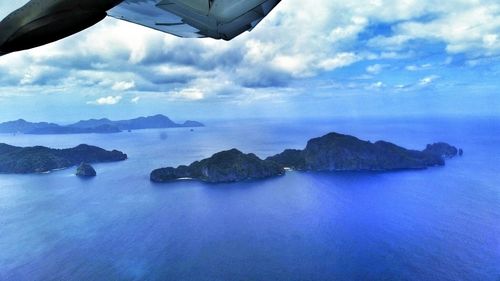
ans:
(218, 19)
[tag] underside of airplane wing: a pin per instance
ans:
(41, 22)
(218, 19)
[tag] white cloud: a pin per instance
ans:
(296, 65)
(123, 85)
(339, 60)
(392, 43)
(414, 67)
(110, 100)
(490, 39)
(135, 100)
(192, 94)
(375, 69)
(428, 80)
(376, 86)
(464, 26)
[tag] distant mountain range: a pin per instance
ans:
(96, 126)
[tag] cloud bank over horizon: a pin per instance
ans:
(377, 57)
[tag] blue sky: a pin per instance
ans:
(331, 59)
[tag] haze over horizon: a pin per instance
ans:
(330, 59)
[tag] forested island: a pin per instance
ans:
(95, 126)
(332, 152)
(40, 159)
(85, 171)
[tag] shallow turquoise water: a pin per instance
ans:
(437, 224)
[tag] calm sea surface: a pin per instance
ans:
(437, 224)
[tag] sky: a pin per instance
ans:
(320, 58)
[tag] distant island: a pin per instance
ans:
(332, 152)
(39, 159)
(95, 126)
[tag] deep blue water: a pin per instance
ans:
(437, 224)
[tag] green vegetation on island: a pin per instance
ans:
(225, 166)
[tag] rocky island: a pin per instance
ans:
(85, 171)
(225, 166)
(332, 152)
(337, 152)
(94, 126)
(39, 159)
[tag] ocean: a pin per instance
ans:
(437, 224)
